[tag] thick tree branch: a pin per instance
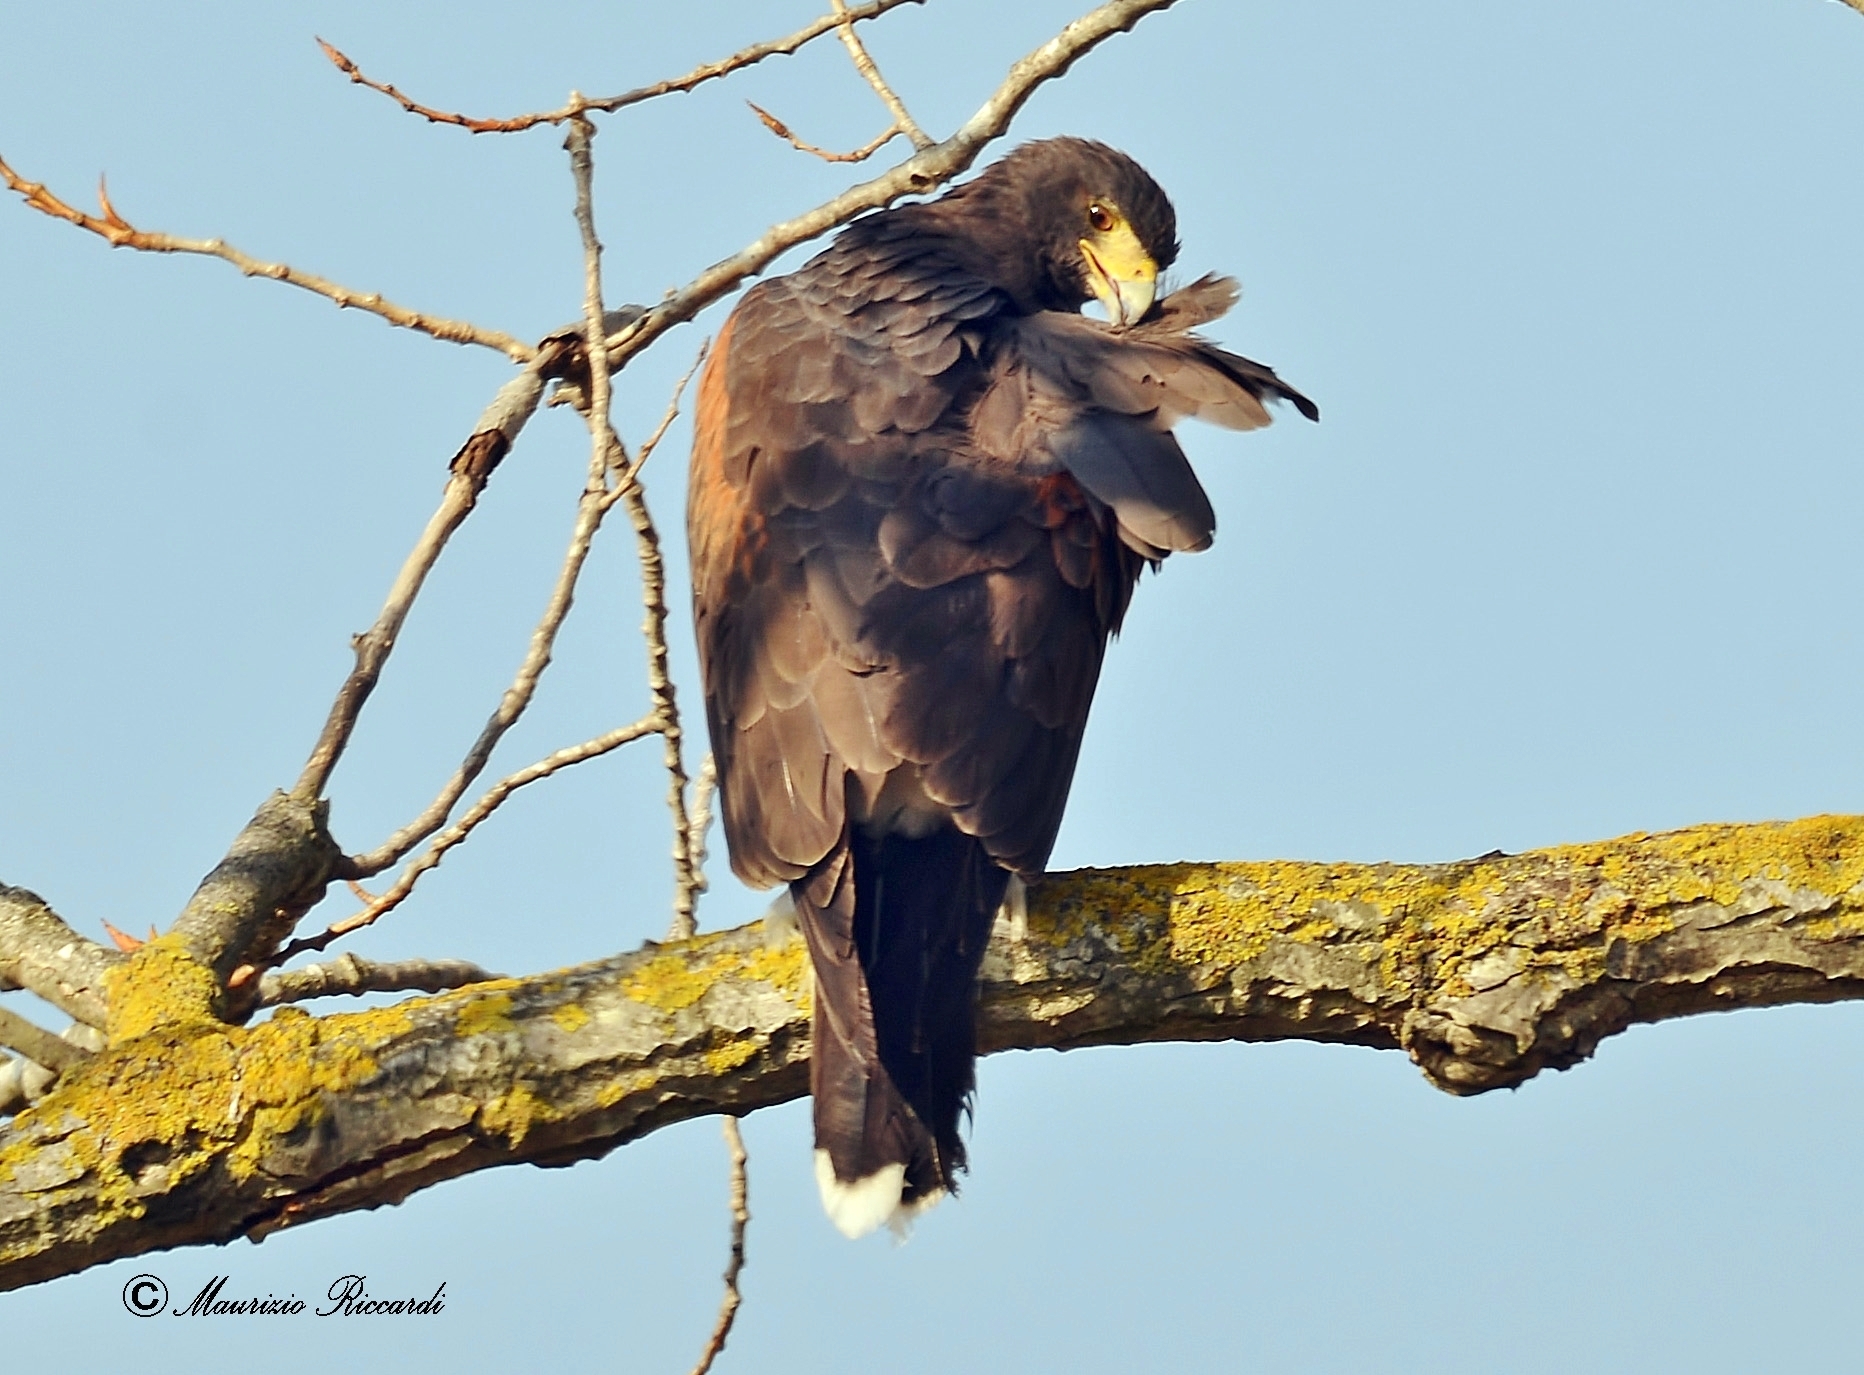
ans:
(274, 873)
(1485, 972)
(40, 953)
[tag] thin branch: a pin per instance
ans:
(711, 71)
(37, 1044)
(596, 501)
(740, 1216)
(350, 974)
(595, 505)
(492, 438)
(660, 686)
(517, 697)
(864, 64)
(605, 448)
(605, 444)
(668, 416)
(861, 154)
(703, 792)
(688, 829)
(373, 647)
(924, 171)
(40, 952)
(344, 64)
(122, 234)
(490, 802)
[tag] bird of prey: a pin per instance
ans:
(923, 486)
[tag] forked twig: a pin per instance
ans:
(698, 76)
(740, 1216)
(489, 802)
(598, 498)
(864, 64)
(861, 154)
(122, 234)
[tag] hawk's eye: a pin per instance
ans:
(1100, 217)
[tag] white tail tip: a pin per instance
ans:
(857, 1207)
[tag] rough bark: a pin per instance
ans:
(38, 951)
(275, 872)
(190, 1130)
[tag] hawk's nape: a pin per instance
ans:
(923, 487)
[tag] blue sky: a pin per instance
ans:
(1572, 554)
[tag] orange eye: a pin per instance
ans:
(1100, 217)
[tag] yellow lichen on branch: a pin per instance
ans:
(160, 985)
(1484, 971)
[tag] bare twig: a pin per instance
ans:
(864, 64)
(703, 791)
(668, 416)
(492, 437)
(606, 445)
(517, 697)
(122, 234)
(475, 126)
(375, 645)
(861, 154)
(590, 512)
(711, 71)
(740, 1216)
(349, 974)
(924, 171)
(38, 951)
(660, 686)
(597, 500)
(490, 802)
(594, 505)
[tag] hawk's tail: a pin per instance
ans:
(896, 930)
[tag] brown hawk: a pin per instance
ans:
(923, 486)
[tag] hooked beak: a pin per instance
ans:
(1122, 274)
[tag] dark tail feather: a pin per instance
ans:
(896, 930)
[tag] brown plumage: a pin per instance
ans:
(923, 487)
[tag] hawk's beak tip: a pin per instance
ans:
(1125, 285)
